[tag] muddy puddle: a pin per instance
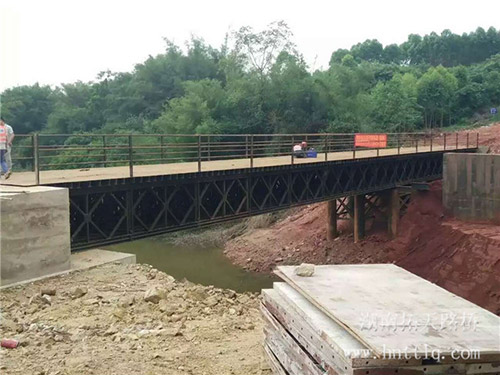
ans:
(198, 264)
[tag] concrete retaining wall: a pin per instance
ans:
(471, 186)
(34, 232)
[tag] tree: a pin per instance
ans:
(437, 90)
(261, 48)
(395, 106)
(27, 108)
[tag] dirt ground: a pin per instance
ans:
(461, 257)
(98, 322)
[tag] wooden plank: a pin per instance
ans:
(344, 346)
(310, 340)
(274, 363)
(277, 338)
(331, 332)
(304, 334)
(364, 299)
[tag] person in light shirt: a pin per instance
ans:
(6, 138)
(299, 150)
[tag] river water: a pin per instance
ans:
(198, 264)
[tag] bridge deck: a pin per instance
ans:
(93, 174)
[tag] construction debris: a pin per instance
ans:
(374, 319)
(305, 270)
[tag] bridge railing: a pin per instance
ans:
(45, 152)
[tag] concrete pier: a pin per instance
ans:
(34, 232)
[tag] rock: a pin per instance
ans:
(79, 292)
(91, 301)
(278, 260)
(119, 313)
(48, 291)
(197, 294)
(110, 331)
(154, 295)
(39, 300)
(9, 325)
(305, 270)
(46, 298)
(211, 301)
(127, 301)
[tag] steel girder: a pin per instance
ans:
(108, 211)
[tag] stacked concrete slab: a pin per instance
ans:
(374, 320)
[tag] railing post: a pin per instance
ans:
(162, 150)
(477, 140)
(251, 151)
(293, 144)
(33, 152)
(354, 147)
(36, 150)
(246, 146)
(208, 148)
(326, 147)
(130, 153)
(467, 139)
(104, 155)
(445, 141)
(431, 140)
(456, 140)
(416, 145)
(399, 143)
(199, 153)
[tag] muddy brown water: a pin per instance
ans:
(198, 264)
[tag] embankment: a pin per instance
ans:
(461, 257)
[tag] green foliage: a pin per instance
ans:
(447, 49)
(437, 90)
(395, 104)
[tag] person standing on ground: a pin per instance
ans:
(3, 147)
(8, 154)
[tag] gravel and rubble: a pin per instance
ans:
(129, 319)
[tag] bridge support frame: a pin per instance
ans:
(331, 220)
(393, 212)
(359, 217)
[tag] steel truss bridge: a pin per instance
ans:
(122, 194)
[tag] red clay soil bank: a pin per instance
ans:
(461, 257)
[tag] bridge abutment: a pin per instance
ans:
(35, 232)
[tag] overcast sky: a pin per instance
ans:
(57, 41)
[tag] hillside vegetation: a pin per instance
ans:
(258, 82)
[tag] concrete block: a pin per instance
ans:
(34, 232)
(471, 186)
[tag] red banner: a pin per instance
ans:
(370, 140)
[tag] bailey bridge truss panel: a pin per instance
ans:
(115, 210)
